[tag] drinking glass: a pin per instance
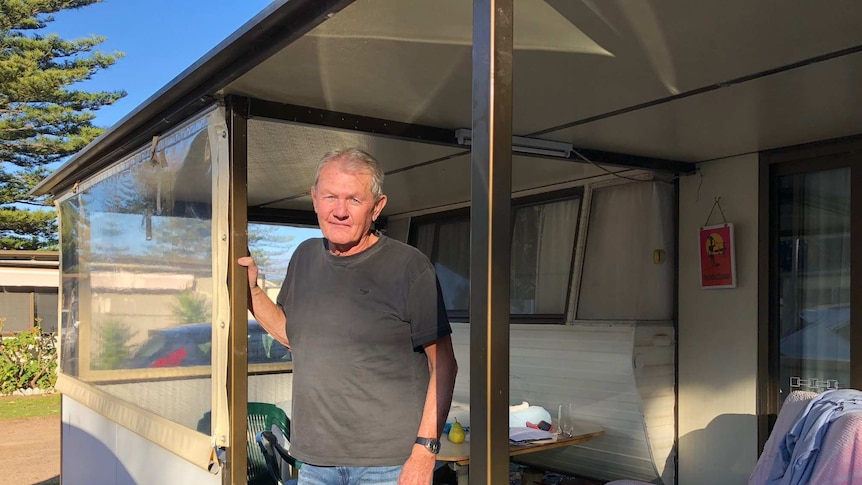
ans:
(566, 419)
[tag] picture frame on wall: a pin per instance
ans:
(717, 256)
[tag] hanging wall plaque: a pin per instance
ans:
(717, 257)
(717, 252)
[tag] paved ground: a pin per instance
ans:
(30, 451)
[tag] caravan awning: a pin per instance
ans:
(661, 85)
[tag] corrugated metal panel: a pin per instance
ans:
(615, 374)
(654, 374)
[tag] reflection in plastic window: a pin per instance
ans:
(137, 260)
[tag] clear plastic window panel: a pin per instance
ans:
(137, 278)
(272, 246)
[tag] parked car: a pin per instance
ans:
(190, 345)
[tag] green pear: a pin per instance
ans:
(456, 433)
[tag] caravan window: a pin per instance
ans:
(628, 269)
(543, 242)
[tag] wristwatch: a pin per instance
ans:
(433, 445)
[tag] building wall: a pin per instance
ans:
(718, 330)
(41, 277)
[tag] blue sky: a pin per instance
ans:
(160, 38)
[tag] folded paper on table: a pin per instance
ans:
(524, 413)
(519, 415)
(519, 434)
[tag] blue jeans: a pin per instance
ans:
(348, 475)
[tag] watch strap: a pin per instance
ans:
(431, 444)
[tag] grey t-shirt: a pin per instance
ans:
(356, 326)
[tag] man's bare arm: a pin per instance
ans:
(267, 313)
(419, 468)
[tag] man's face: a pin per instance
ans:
(345, 206)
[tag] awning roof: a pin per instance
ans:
(672, 80)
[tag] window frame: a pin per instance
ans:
(800, 159)
(463, 213)
(28, 293)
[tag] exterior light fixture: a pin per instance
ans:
(521, 144)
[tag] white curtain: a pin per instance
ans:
(452, 263)
(629, 225)
(424, 238)
(557, 226)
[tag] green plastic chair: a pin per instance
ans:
(263, 468)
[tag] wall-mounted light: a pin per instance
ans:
(522, 144)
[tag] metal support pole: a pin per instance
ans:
(490, 235)
(855, 278)
(237, 376)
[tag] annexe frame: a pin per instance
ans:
(237, 375)
(398, 130)
(491, 169)
(490, 248)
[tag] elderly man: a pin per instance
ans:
(363, 315)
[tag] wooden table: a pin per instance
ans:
(458, 455)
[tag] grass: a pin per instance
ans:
(16, 407)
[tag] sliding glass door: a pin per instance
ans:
(811, 307)
(810, 280)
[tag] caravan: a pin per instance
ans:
(603, 136)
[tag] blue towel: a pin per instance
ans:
(798, 450)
